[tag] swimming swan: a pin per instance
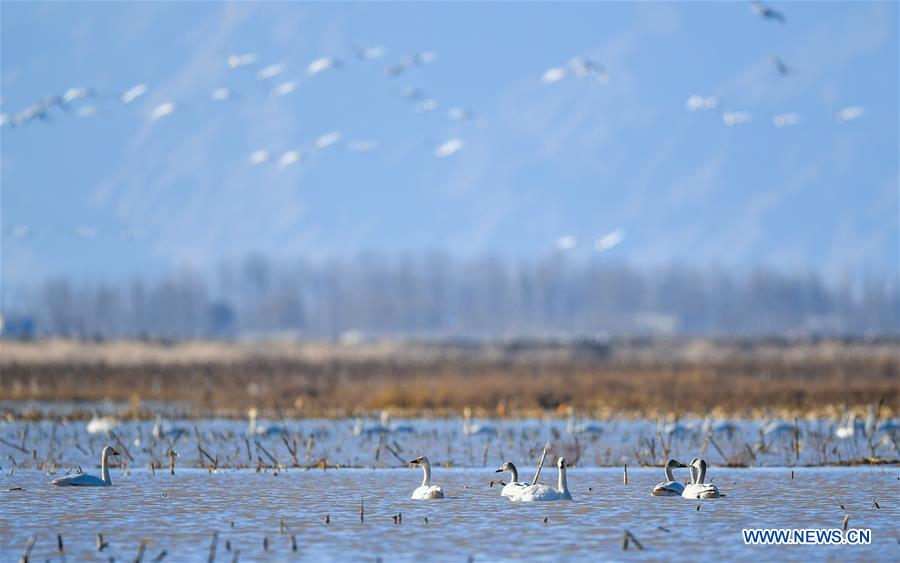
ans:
(476, 429)
(670, 487)
(698, 489)
(546, 492)
(161, 430)
(85, 480)
(427, 491)
(514, 487)
(574, 427)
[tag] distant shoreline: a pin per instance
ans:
(511, 378)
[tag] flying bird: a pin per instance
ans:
(284, 89)
(260, 156)
(289, 158)
(768, 12)
(270, 71)
(133, 93)
(321, 65)
(326, 140)
(369, 53)
(782, 68)
(237, 61)
(733, 118)
(162, 110)
(449, 148)
(850, 113)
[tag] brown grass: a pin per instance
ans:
(633, 377)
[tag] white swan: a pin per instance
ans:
(573, 427)
(101, 424)
(85, 480)
(476, 429)
(698, 489)
(514, 487)
(427, 491)
(669, 487)
(546, 492)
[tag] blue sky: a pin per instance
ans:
(542, 165)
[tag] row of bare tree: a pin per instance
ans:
(443, 297)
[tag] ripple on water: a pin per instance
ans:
(180, 513)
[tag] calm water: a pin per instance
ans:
(180, 513)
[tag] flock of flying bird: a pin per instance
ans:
(733, 118)
(82, 101)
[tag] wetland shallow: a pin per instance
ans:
(180, 513)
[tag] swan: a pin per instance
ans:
(427, 491)
(514, 487)
(698, 489)
(546, 492)
(670, 487)
(573, 427)
(262, 430)
(167, 431)
(85, 480)
(101, 424)
(726, 427)
(849, 427)
(476, 429)
(777, 429)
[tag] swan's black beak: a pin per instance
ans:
(114, 452)
(414, 462)
(499, 470)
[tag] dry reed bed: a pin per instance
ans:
(734, 377)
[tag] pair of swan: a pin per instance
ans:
(519, 491)
(697, 489)
(515, 490)
(85, 480)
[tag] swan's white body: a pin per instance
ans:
(542, 492)
(849, 428)
(262, 430)
(101, 425)
(515, 487)
(476, 429)
(698, 489)
(670, 487)
(85, 480)
(426, 491)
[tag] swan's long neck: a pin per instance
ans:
(669, 475)
(104, 467)
(426, 468)
(701, 474)
(693, 475)
(514, 474)
(563, 483)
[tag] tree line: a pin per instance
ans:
(439, 296)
